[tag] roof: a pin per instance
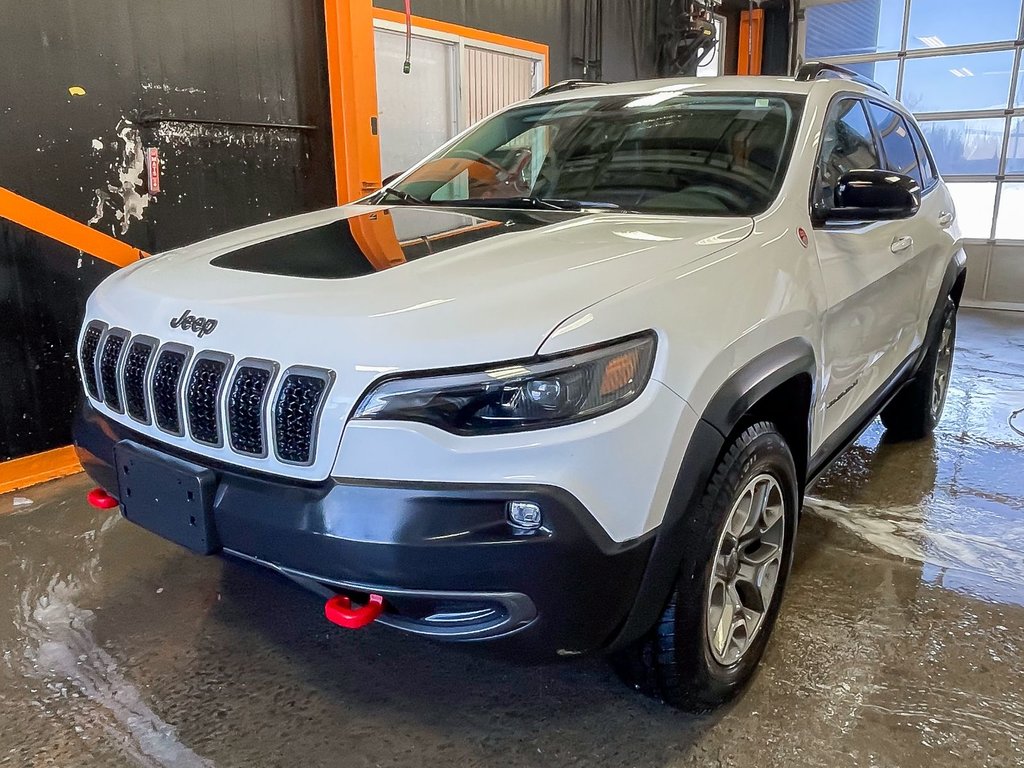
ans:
(725, 83)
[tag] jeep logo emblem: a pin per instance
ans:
(198, 325)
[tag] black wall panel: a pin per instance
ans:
(233, 94)
(143, 64)
(43, 287)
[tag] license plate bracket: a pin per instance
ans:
(171, 497)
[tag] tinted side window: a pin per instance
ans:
(846, 145)
(899, 147)
(928, 172)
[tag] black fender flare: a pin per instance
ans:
(723, 413)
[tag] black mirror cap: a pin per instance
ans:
(872, 194)
(388, 179)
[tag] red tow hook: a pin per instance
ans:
(101, 499)
(339, 610)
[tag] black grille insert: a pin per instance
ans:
(295, 415)
(201, 399)
(166, 379)
(90, 342)
(108, 370)
(245, 409)
(135, 363)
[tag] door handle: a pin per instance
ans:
(901, 243)
(945, 218)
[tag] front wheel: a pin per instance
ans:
(916, 410)
(715, 627)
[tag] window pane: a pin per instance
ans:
(882, 72)
(974, 203)
(938, 23)
(1010, 224)
(853, 26)
(964, 81)
(927, 167)
(899, 147)
(965, 146)
(1015, 147)
(846, 145)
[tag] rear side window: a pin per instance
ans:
(896, 142)
(847, 144)
(928, 172)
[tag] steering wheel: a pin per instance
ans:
(470, 154)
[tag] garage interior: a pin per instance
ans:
(134, 128)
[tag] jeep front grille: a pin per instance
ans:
(90, 343)
(202, 400)
(248, 406)
(166, 380)
(135, 365)
(109, 358)
(296, 413)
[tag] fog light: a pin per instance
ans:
(524, 514)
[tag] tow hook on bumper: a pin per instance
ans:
(100, 499)
(339, 610)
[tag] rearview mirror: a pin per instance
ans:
(875, 195)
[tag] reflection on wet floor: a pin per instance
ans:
(901, 641)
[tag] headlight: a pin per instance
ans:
(531, 394)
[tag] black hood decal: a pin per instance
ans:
(382, 239)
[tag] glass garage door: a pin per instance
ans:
(958, 68)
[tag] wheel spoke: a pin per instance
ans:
(760, 579)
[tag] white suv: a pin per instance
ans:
(561, 386)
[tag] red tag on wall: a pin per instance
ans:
(153, 170)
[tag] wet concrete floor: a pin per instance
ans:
(901, 641)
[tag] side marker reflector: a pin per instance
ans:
(339, 610)
(100, 499)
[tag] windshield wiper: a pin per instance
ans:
(401, 195)
(549, 203)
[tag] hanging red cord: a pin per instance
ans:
(408, 37)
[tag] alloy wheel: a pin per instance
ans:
(746, 569)
(943, 368)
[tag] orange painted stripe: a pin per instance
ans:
(41, 219)
(469, 32)
(38, 468)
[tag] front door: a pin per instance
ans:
(869, 273)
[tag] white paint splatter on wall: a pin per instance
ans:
(127, 199)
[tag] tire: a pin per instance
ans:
(680, 660)
(917, 408)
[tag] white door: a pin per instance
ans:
(869, 272)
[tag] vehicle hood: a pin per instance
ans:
(402, 287)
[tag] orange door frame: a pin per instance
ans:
(352, 78)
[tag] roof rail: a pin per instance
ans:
(565, 85)
(820, 70)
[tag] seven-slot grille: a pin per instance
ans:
(135, 364)
(90, 343)
(153, 384)
(109, 358)
(202, 400)
(295, 414)
(246, 402)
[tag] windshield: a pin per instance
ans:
(665, 152)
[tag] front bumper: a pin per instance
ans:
(442, 554)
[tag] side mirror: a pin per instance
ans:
(875, 195)
(388, 179)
